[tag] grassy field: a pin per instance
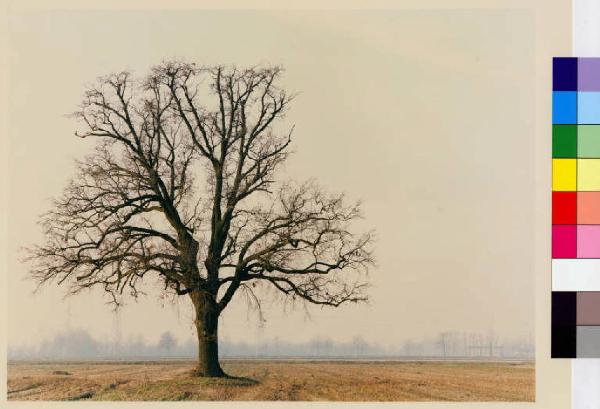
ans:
(275, 380)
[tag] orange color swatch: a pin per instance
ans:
(588, 207)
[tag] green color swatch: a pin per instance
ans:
(588, 141)
(564, 141)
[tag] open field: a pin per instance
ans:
(275, 380)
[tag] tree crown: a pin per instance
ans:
(182, 183)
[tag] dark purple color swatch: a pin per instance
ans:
(564, 74)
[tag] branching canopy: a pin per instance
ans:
(182, 184)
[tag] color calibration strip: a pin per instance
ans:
(576, 208)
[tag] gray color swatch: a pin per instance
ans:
(588, 342)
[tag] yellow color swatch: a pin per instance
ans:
(564, 174)
(588, 175)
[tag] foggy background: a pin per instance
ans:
(78, 344)
(424, 115)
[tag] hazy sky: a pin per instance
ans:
(426, 116)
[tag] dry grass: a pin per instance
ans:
(275, 380)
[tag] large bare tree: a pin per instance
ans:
(181, 186)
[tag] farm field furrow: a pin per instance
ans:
(275, 380)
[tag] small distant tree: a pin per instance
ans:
(167, 342)
(359, 346)
(182, 186)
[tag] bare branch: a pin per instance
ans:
(137, 206)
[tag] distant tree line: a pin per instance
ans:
(79, 344)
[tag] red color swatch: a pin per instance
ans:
(564, 207)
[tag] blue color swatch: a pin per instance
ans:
(588, 108)
(564, 107)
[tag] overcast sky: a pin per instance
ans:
(425, 116)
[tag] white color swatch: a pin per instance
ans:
(576, 275)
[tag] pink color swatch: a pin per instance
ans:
(588, 241)
(564, 241)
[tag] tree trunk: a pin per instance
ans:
(207, 325)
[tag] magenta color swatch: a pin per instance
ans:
(564, 241)
(588, 73)
(588, 241)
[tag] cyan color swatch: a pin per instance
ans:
(588, 107)
(564, 107)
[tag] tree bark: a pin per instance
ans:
(207, 325)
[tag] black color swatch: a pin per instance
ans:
(564, 341)
(564, 308)
(564, 324)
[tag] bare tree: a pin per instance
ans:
(182, 186)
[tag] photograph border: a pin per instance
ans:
(552, 38)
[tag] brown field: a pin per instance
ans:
(275, 380)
